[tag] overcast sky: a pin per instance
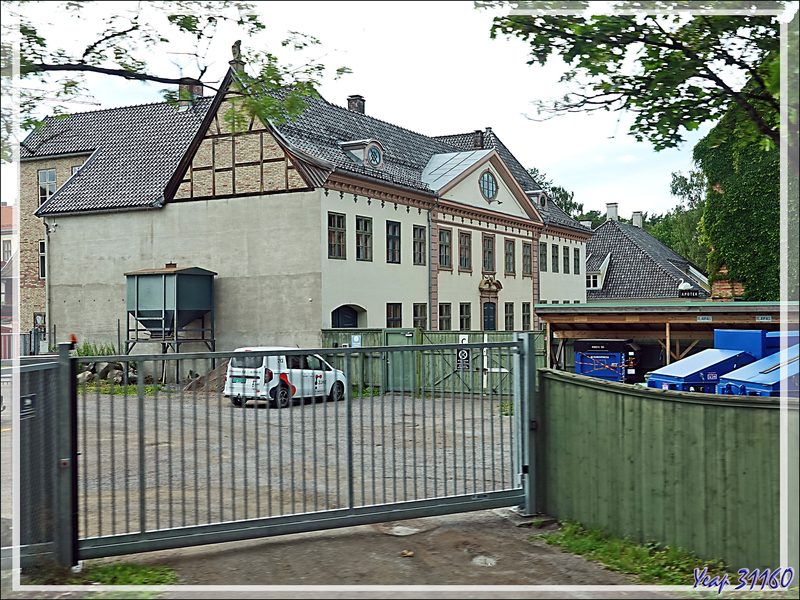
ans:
(431, 67)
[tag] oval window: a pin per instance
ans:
(488, 186)
(374, 156)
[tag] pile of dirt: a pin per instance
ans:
(213, 381)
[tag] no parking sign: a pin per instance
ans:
(463, 359)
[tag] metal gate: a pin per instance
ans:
(165, 464)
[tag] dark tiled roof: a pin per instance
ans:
(135, 150)
(551, 212)
(640, 265)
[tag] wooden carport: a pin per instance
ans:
(678, 326)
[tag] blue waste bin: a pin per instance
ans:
(764, 377)
(700, 372)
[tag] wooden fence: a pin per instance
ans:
(693, 470)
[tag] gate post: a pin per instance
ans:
(65, 530)
(527, 388)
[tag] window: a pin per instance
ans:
(393, 242)
(445, 322)
(566, 260)
(554, 302)
(509, 316)
(488, 185)
(394, 316)
(363, 238)
(527, 263)
(488, 253)
(465, 316)
(543, 257)
(511, 267)
(555, 258)
(421, 316)
(591, 282)
(465, 251)
(419, 245)
(526, 316)
(576, 264)
(42, 260)
(6, 250)
(47, 185)
(75, 169)
(336, 236)
(444, 249)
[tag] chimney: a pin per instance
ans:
(171, 265)
(637, 219)
(355, 103)
(611, 211)
(237, 64)
(188, 94)
(477, 140)
(587, 224)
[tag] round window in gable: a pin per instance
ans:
(374, 156)
(542, 200)
(488, 185)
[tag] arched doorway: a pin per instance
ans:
(344, 317)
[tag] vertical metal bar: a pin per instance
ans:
(140, 402)
(303, 398)
(280, 452)
(404, 355)
(196, 465)
(220, 453)
(269, 457)
(325, 443)
(528, 375)
(156, 419)
(414, 423)
(374, 477)
(482, 399)
(98, 427)
(232, 437)
(314, 432)
(291, 443)
(464, 426)
(337, 444)
(384, 396)
(85, 455)
(394, 434)
(348, 398)
(114, 460)
(244, 451)
(183, 450)
(492, 427)
(171, 481)
(360, 371)
(65, 530)
(261, 385)
(208, 441)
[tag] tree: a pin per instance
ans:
(685, 67)
(564, 199)
(118, 46)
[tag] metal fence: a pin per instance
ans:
(166, 464)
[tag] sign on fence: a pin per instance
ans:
(463, 359)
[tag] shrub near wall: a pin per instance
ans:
(690, 470)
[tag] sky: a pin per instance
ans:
(432, 67)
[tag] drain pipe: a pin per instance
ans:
(430, 263)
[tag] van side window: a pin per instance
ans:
(294, 362)
(314, 363)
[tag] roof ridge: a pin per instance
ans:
(99, 110)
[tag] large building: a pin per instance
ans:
(333, 219)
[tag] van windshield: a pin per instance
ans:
(247, 362)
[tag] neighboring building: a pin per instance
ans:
(8, 249)
(625, 262)
(334, 219)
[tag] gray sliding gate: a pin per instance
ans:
(162, 464)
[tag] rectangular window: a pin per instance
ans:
(526, 316)
(566, 260)
(42, 260)
(394, 316)
(444, 249)
(555, 258)
(421, 316)
(591, 282)
(554, 302)
(363, 238)
(509, 316)
(336, 236)
(6, 250)
(393, 242)
(465, 316)
(445, 317)
(576, 266)
(75, 169)
(511, 266)
(419, 245)
(488, 253)
(543, 257)
(465, 251)
(47, 185)
(527, 263)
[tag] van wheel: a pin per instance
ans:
(283, 397)
(337, 392)
(236, 401)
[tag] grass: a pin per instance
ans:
(365, 392)
(506, 408)
(651, 563)
(87, 349)
(104, 574)
(106, 388)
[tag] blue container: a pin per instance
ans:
(700, 372)
(774, 340)
(612, 360)
(763, 377)
(752, 341)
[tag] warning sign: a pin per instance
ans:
(463, 359)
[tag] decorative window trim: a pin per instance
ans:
(543, 257)
(555, 257)
(364, 239)
(393, 253)
(565, 260)
(491, 181)
(421, 315)
(418, 245)
(465, 316)
(445, 316)
(337, 236)
(526, 316)
(508, 316)
(527, 269)
(394, 315)
(576, 266)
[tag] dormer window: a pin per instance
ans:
(488, 185)
(367, 153)
(542, 200)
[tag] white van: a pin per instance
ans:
(282, 378)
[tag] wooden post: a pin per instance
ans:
(548, 344)
(669, 346)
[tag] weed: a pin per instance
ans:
(108, 574)
(651, 563)
(365, 392)
(506, 408)
(537, 523)
(87, 349)
(105, 387)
